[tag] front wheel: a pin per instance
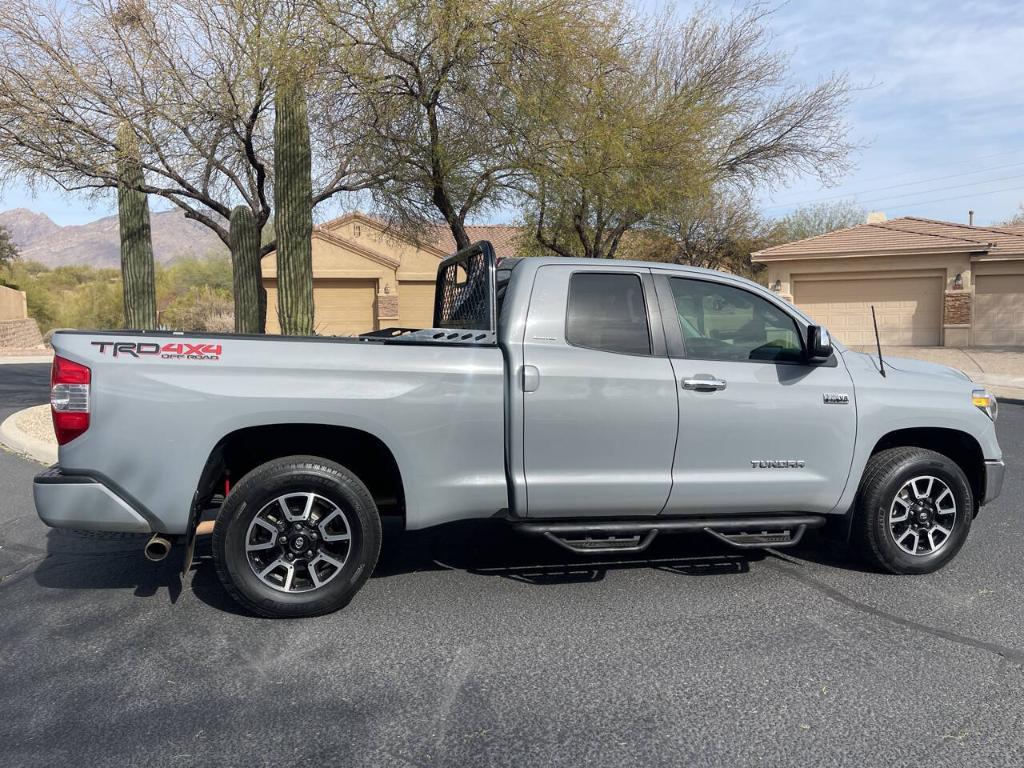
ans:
(297, 536)
(914, 510)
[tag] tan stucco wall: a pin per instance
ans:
(999, 267)
(415, 262)
(13, 305)
(960, 326)
(948, 265)
(356, 249)
(925, 263)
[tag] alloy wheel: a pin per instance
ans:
(922, 515)
(298, 542)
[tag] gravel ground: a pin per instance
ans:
(37, 423)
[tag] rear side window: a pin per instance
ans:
(607, 312)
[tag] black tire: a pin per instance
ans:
(264, 485)
(888, 472)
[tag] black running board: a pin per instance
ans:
(595, 537)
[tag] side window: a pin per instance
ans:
(719, 322)
(606, 311)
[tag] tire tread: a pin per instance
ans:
(879, 468)
(262, 474)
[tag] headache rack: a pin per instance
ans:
(465, 302)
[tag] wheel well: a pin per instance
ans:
(958, 446)
(364, 454)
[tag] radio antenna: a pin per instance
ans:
(878, 342)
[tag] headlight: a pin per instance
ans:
(986, 401)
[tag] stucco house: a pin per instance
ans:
(366, 278)
(932, 283)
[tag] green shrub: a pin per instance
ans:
(201, 308)
(192, 294)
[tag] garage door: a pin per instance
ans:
(909, 309)
(340, 307)
(999, 310)
(416, 304)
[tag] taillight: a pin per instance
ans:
(69, 399)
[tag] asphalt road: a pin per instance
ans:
(470, 647)
(22, 386)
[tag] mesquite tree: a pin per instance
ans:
(250, 295)
(195, 80)
(439, 80)
(137, 270)
(293, 209)
(672, 116)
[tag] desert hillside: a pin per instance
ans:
(40, 239)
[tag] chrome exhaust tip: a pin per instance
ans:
(157, 548)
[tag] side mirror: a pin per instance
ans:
(819, 344)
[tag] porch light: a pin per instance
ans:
(777, 286)
(958, 281)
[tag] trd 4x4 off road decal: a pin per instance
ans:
(175, 351)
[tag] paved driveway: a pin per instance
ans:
(22, 386)
(1001, 369)
(472, 648)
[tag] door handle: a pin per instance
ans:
(531, 378)
(703, 382)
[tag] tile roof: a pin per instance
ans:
(505, 238)
(1016, 229)
(905, 234)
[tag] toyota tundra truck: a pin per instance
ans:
(595, 403)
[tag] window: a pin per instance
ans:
(720, 322)
(607, 312)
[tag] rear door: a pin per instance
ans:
(760, 428)
(600, 408)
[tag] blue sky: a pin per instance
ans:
(940, 115)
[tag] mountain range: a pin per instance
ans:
(97, 243)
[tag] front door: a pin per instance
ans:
(760, 428)
(600, 408)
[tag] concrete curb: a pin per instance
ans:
(22, 443)
(1003, 386)
(22, 359)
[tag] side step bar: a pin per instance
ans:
(594, 537)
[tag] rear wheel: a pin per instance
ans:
(297, 536)
(914, 510)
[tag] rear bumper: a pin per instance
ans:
(994, 471)
(76, 501)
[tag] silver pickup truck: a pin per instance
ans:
(595, 403)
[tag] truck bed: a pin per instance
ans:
(162, 402)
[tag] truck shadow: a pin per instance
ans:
(80, 560)
(491, 548)
(87, 560)
(821, 549)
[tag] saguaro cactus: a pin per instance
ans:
(250, 295)
(293, 209)
(137, 271)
